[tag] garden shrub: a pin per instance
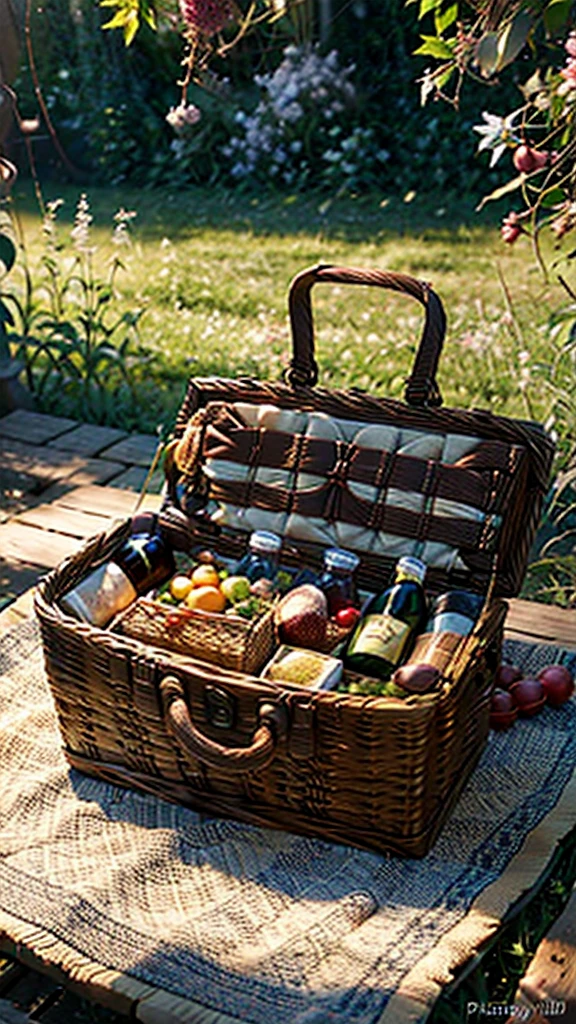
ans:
(365, 130)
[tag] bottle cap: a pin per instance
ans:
(265, 541)
(462, 602)
(144, 523)
(338, 558)
(147, 561)
(412, 566)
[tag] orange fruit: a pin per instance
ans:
(180, 586)
(206, 599)
(205, 576)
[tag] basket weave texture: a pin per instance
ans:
(376, 772)
(235, 643)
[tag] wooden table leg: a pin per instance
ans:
(549, 984)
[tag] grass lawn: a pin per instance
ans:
(211, 271)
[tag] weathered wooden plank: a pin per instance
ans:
(20, 609)
(45, 463)
(71, 522)
(14, 484)
(10, 1015)
(30, 992)
(95, 471)
(132, 479)
(550, 980)
(44, 548)
(530, 620)
(137, 450)
(34, 427)
(106, 501)
(16, 578)
(106, 996)
(10, 973)
(88, 439)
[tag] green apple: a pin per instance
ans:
(235, 588)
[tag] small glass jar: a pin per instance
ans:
(262, 559)
(455, 612)
(452, 618)
(337, 579)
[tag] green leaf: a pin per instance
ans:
(553, 198)
(130, 29)
(5, 316)
(443, 20)
(557, 15)
(444, 78)
(127, 16)
(434, 47)
(7, 253)
(149, 17)
(504, 190)
(512, 40)
(118, 20)
(428, 5)
(486, 57)
(532, 86)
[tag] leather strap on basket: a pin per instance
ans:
(271, 726)
(421, 387)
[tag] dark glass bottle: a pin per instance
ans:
(385, 634)
(141, 563)
(337, 579)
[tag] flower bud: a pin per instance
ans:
(510, 228)
(526, 159)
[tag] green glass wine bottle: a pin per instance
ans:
(384, 636)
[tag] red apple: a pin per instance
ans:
(506, 675)
(502, 710)
(558, 684)
(418, 678)
(529, 695)
(347, 617)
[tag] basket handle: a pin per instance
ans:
(271, 726)
(421, 387)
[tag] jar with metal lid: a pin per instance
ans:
(452, 618)
(455, 612)
(262, 558)
(337, 579)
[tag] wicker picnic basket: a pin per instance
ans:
(461, 489)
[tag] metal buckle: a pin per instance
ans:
(220, 707)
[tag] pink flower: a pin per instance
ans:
(510, 228)
(570, 45)
(566, 221)
(569, 73)
(207, 17)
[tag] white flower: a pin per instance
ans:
(497, 134)
(122, 220)
(182, 117)
(80, 233)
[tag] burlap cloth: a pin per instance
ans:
(212, 921)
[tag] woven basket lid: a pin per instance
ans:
(390, 477)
